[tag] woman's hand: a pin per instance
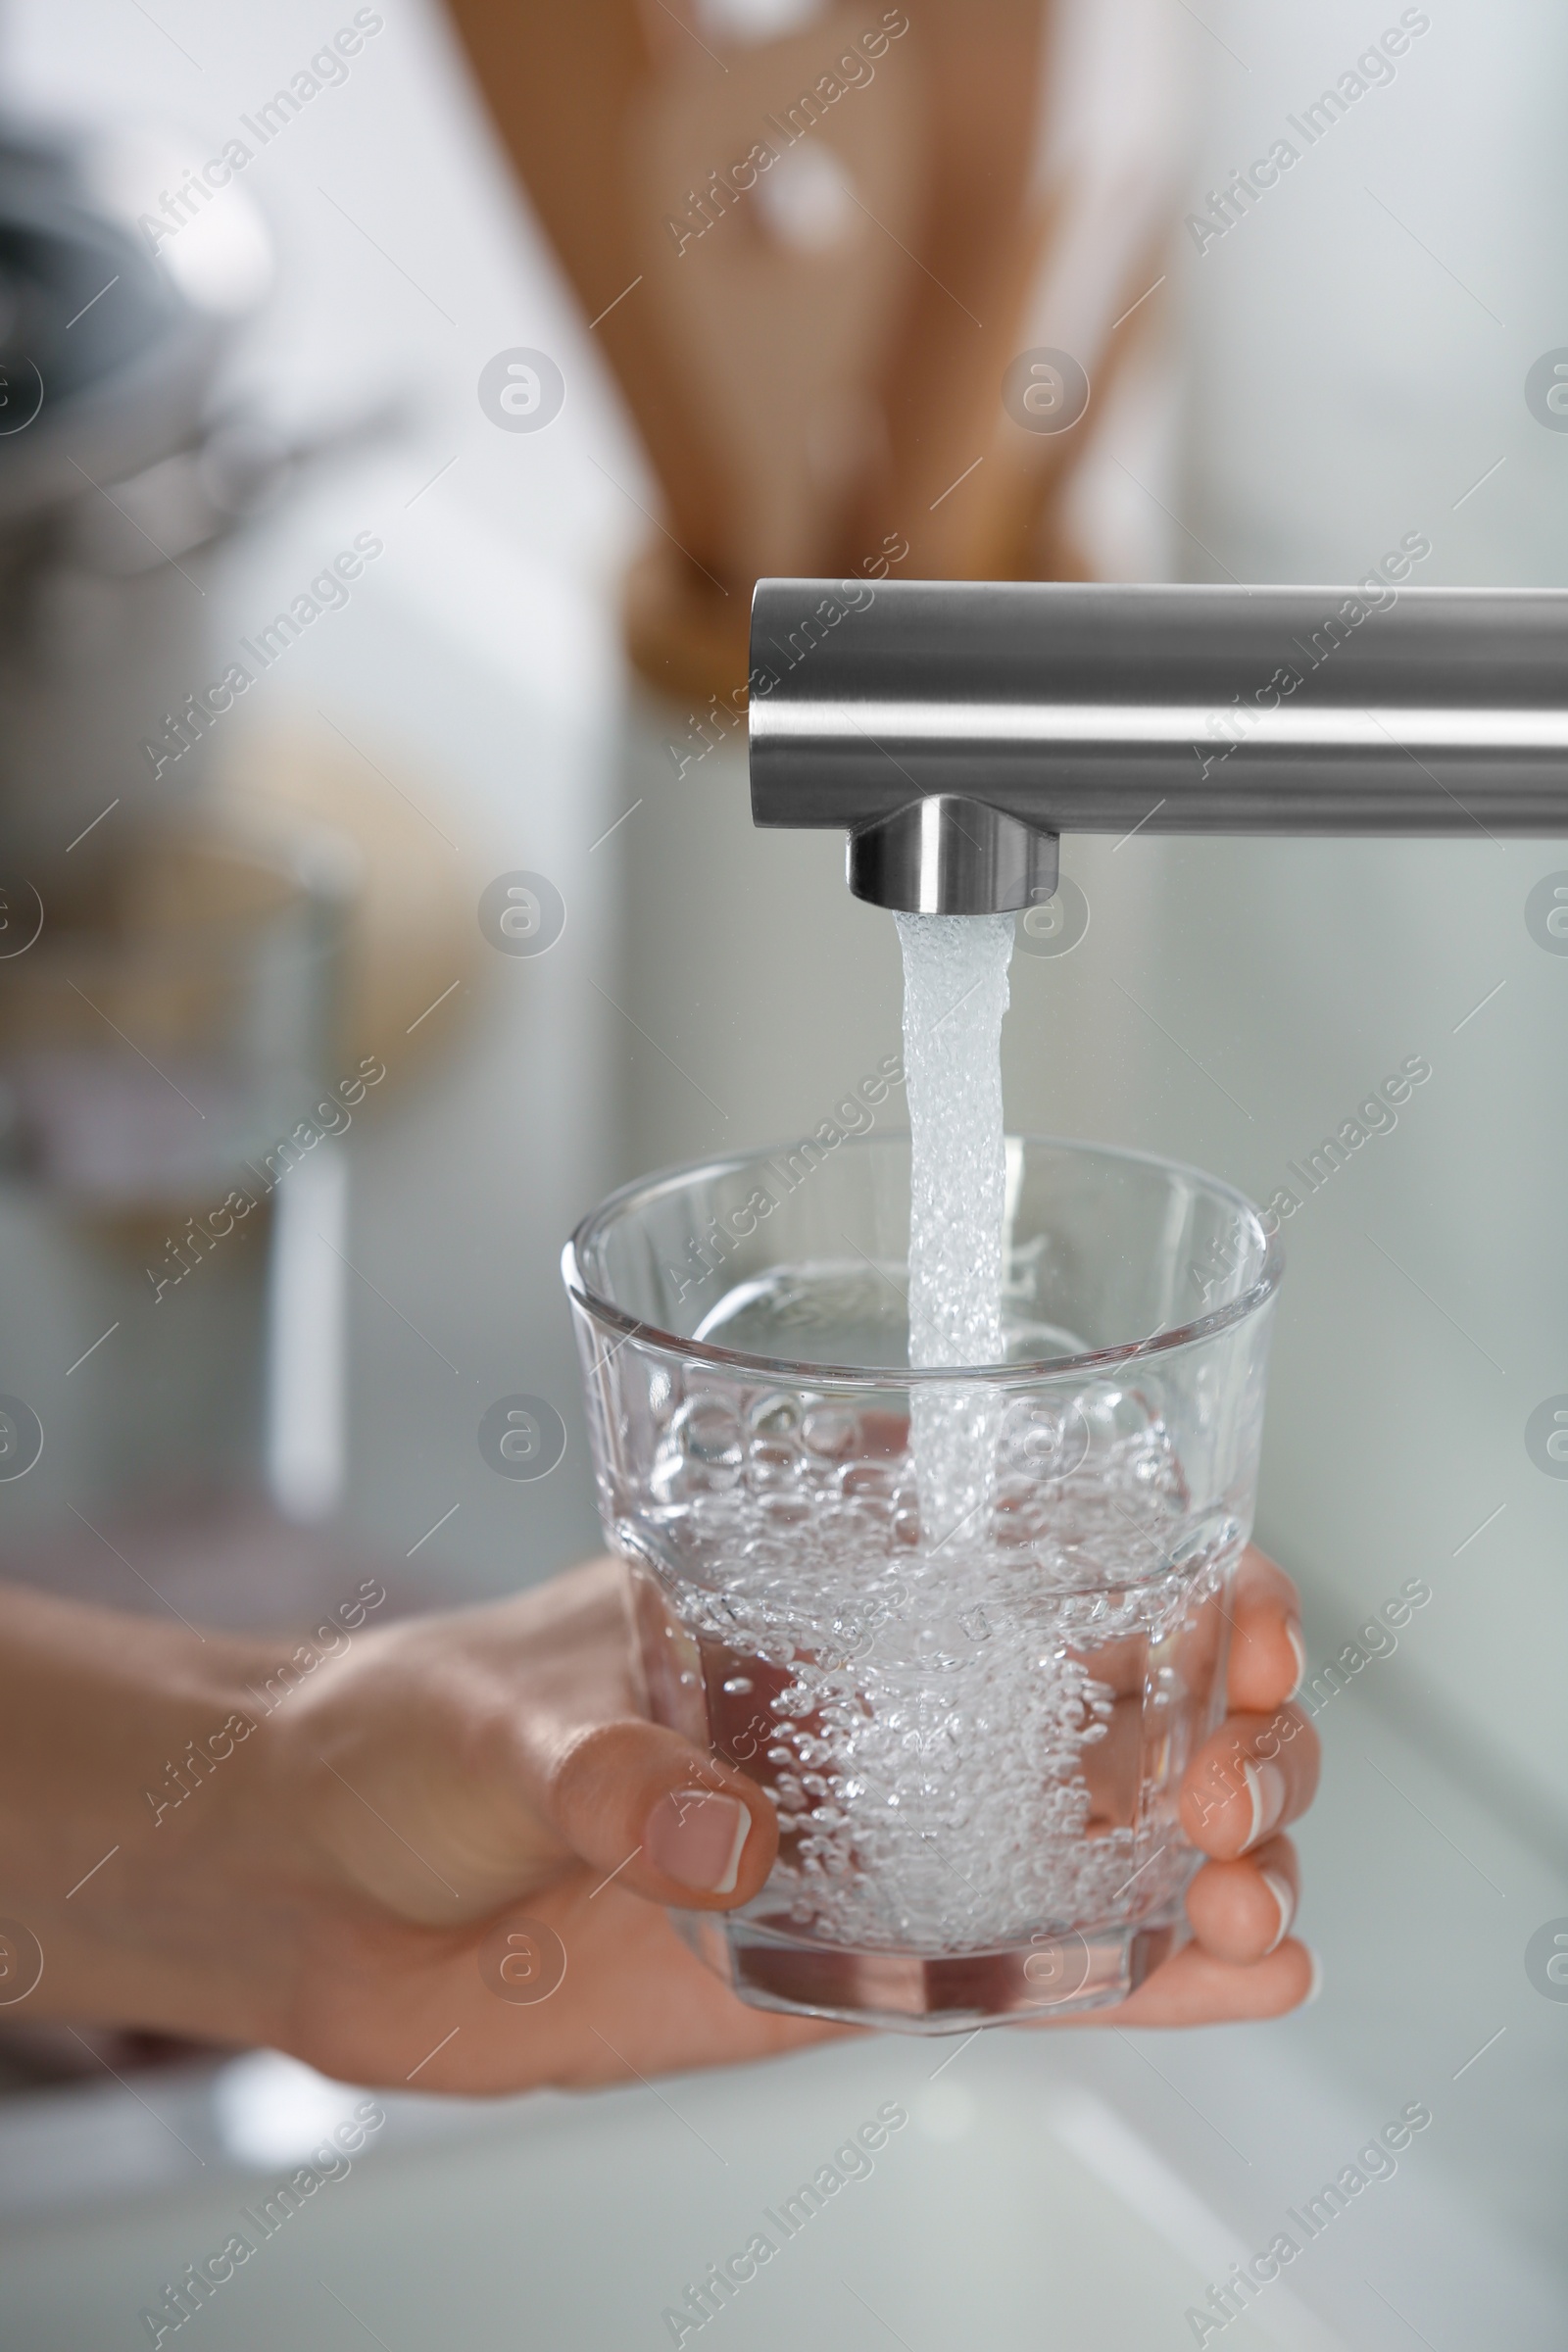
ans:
(383, 1872)
(1258, 1772)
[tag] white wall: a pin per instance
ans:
(1349, 379)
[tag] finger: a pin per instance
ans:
(663, 1818)
(1241, 1911)
(1254, 1775)
(1267, 1655)
(1195, 1988)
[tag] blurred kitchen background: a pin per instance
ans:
(513, 652)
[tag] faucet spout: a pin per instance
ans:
(949, 855)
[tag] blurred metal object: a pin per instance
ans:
(107, 362)
(239, 467)
(1054, 708)
(119, 463)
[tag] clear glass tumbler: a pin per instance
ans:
(974, 1734)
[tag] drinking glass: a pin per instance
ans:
(974, 1734)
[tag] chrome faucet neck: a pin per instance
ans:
(955, 728)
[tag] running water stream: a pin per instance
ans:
(954, 996)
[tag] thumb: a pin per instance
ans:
(670, 1823)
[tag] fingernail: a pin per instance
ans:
(1284, 1894)
(698, 1837)
(1266, 1786)
(1316, 1986)
(1292, 1634)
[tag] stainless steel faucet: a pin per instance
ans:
(957, 729)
